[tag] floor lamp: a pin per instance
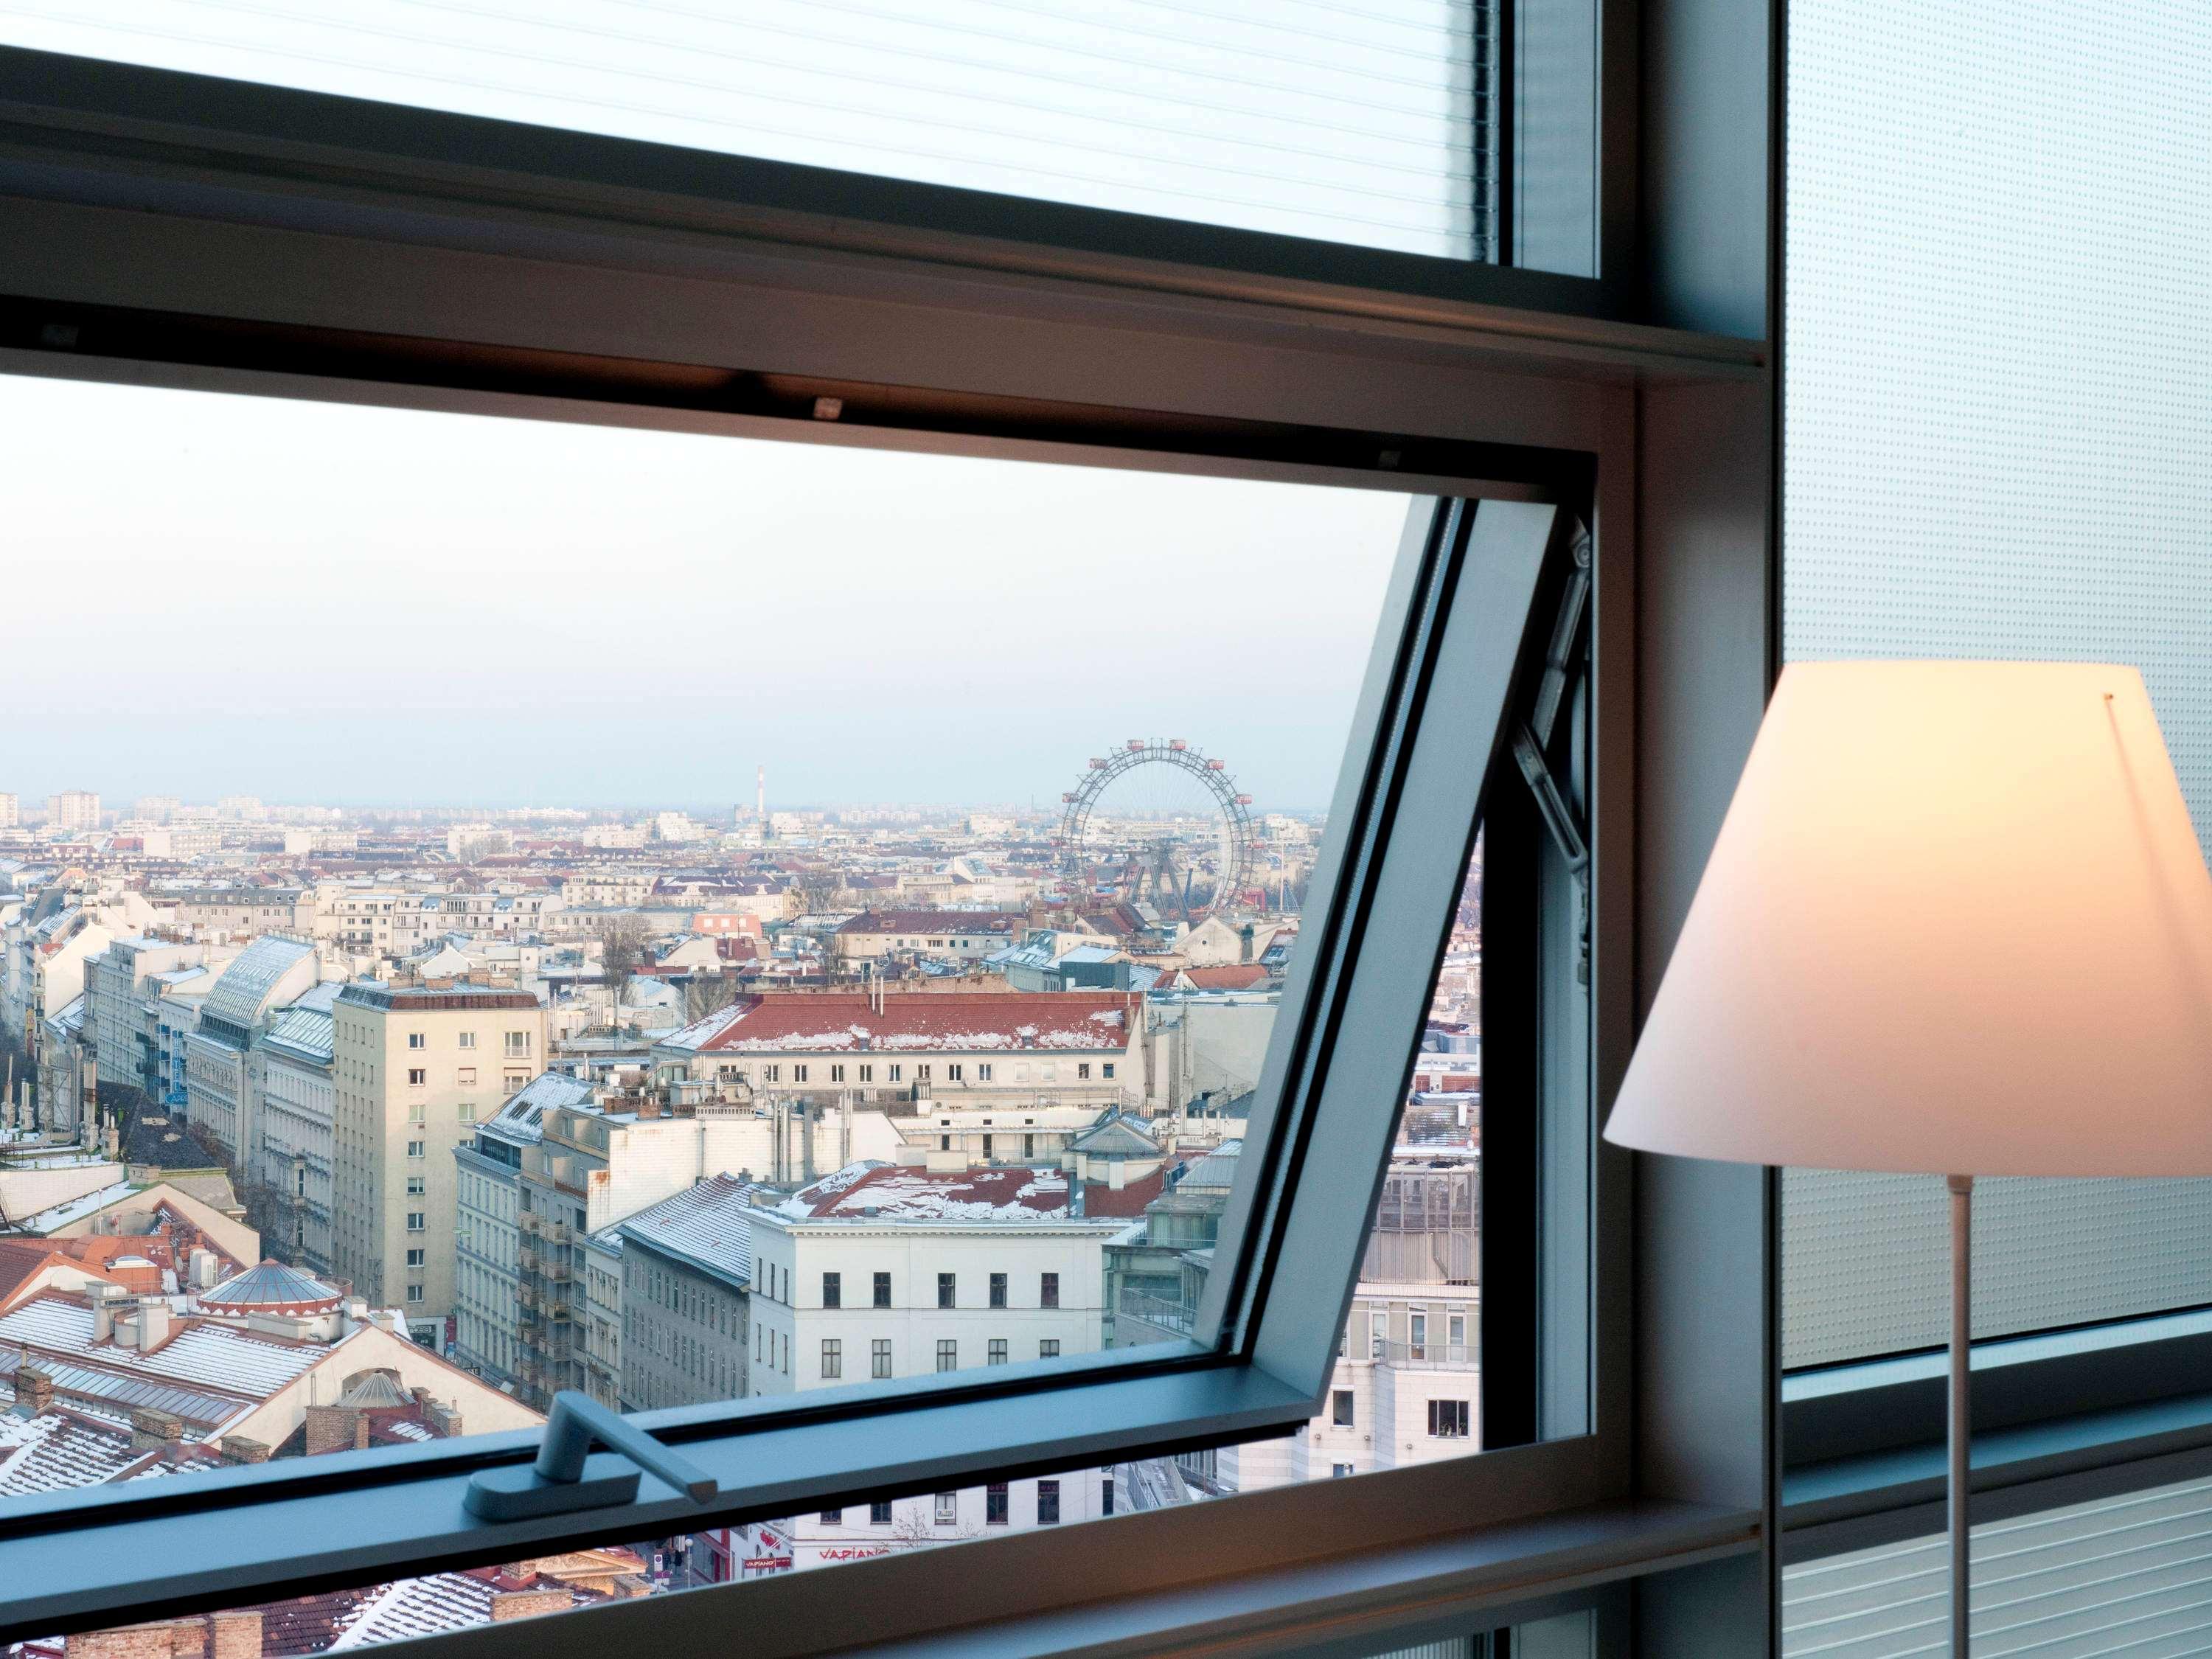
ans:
(1956, 923)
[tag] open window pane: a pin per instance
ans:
(1376, 126)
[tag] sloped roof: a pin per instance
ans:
(242, 994)
(876, 1192)
(707, 1226)
(1115, 1134)
(270, 1284)
(376, 1391)
(986, 1021)
(523, 1117)
(1126, 1200)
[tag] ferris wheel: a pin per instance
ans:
(1159, 822)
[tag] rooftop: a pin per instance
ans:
(876, 1192)
(706, 1226)
(850, 1022)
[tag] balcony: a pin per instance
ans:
(1430, 1355)
(1176, 1316)
(553, 1233)
(554, 1271)
(528, 1224)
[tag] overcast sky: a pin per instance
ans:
(319, 603)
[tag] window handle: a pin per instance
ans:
(556, 1483)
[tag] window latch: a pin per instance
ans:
(556, 1484)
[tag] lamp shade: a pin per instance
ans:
(1956, 922)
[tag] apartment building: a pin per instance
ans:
(221, 1064)
(972, 1047)
(881, 1271)
(11, 812)
(243, 912)
(415, 1070)
(393, 922)
(119, 1012)
(489, 1314)
(296, 1148)
(685, 1297)
(73, 811)
(961, 935)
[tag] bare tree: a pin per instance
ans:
(819, 886)
(622, 949)
(708, 993)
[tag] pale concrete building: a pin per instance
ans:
(415, 1070)
(487, 1311)
(222, 1068)
(11, 812)
(117, 983)
(684, 1298)
(296, 1148)
(73, 811)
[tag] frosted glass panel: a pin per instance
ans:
(1366, 123)
(2000, 221)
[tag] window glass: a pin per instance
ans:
(2022, 480)
(1372, 125)
(584, 878)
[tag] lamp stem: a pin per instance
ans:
(1960, 1487)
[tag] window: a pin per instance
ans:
(418, 1040)
(953, 1071)
(414, 1258)
(945, 1290)
(414, 1292)
(515, 1082)
(833, 1518)
(415, 1149)
(1417, 1333)
(417, 1076)
(998, 1291)
(987, 1149)
(995, 1352)
(882, 1290)
(1339, 1470)
(799, 1073)
(833, 1291)
(1340, 1411)
(867, 1073)
(465, 1040)
(948, 1508)
(1082, 1070)
(517, 1044)
(1107, 1067)
(416, 1186)
(984, 1071)
(879, 1515)
(898, 1072)
(418, 1222)
(1378, 1325)
(1448, 1419)
(1048, 1503)
(465, 1112)
(1048, 1347)
(772, 1074)
(948, 1354)
(466, 1076)
(879, 1356)
(1047, 1290)
(836, 1074)
(833, 1361)
(995, 1503)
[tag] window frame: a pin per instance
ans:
(1213, 1395)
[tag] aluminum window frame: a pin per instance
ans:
(414, 1495)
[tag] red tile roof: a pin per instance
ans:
(1234, 976)
(1101, 1200)
(987, 1021)
(901, 1193)
(931, 921)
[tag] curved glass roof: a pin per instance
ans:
(271, 1284)
(242, 995)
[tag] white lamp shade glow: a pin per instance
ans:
(1957, 922)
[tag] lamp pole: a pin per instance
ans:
(1961, 1422)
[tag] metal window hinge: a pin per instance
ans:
(1532, 738)
(554, 1484)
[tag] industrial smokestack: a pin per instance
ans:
(760, 797)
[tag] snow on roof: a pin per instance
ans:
(55, 1215)
(706, 1226)
(430, 1606)
(701, 1032)
(923, 1020)
(57, 1450)
(202, 1354)
(874, 1191)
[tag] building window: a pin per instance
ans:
(466, 1077)
(879, 1515)
(948, 1354)
(418, 1040)
(1106, 1494)
(1378, 1325)
(1339, 1470)
(833, 1518)
(1049, 1290)
(952, 1072)
(772, 1074)
(799, 1074)
(1083, 1070)
(417, 1187)
(1417, 1333)
(417, 1112)
(882, 1290)
(945, 1283)
(416, 1223)
(515, 1082)
(994, 1504)
(414, 1292)
(833, 1358)
(996, 1353)
(898, 1071)
(468, 1040)
(945, 1143)
(879, 1357)
(417, 1076)
(948, 1508)
(517, 1044)
(998, 1290)
(833, 1291)
(836, 1074)
(1448, 1419)
(1048, 1347)
(1028, 1146)
(466, 1112)
(1339, 1410)
(1108, 1068)
(1048, 1503)
(984, 1071)
(413, 1150)
(867, 1074)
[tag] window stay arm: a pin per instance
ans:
(556, 1484)
(1532, 736)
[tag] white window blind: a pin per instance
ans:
(1357, 121)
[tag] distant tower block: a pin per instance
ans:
(760, 794)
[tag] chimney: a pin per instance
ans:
(528, 1604)
(242, 1449)
(203, 1269)
(35, 1392)
(153, 1323)
(153, 1431)
(234, 1635)
(103, 1312)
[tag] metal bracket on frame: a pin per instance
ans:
(1532, 738)
(554, 1484)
